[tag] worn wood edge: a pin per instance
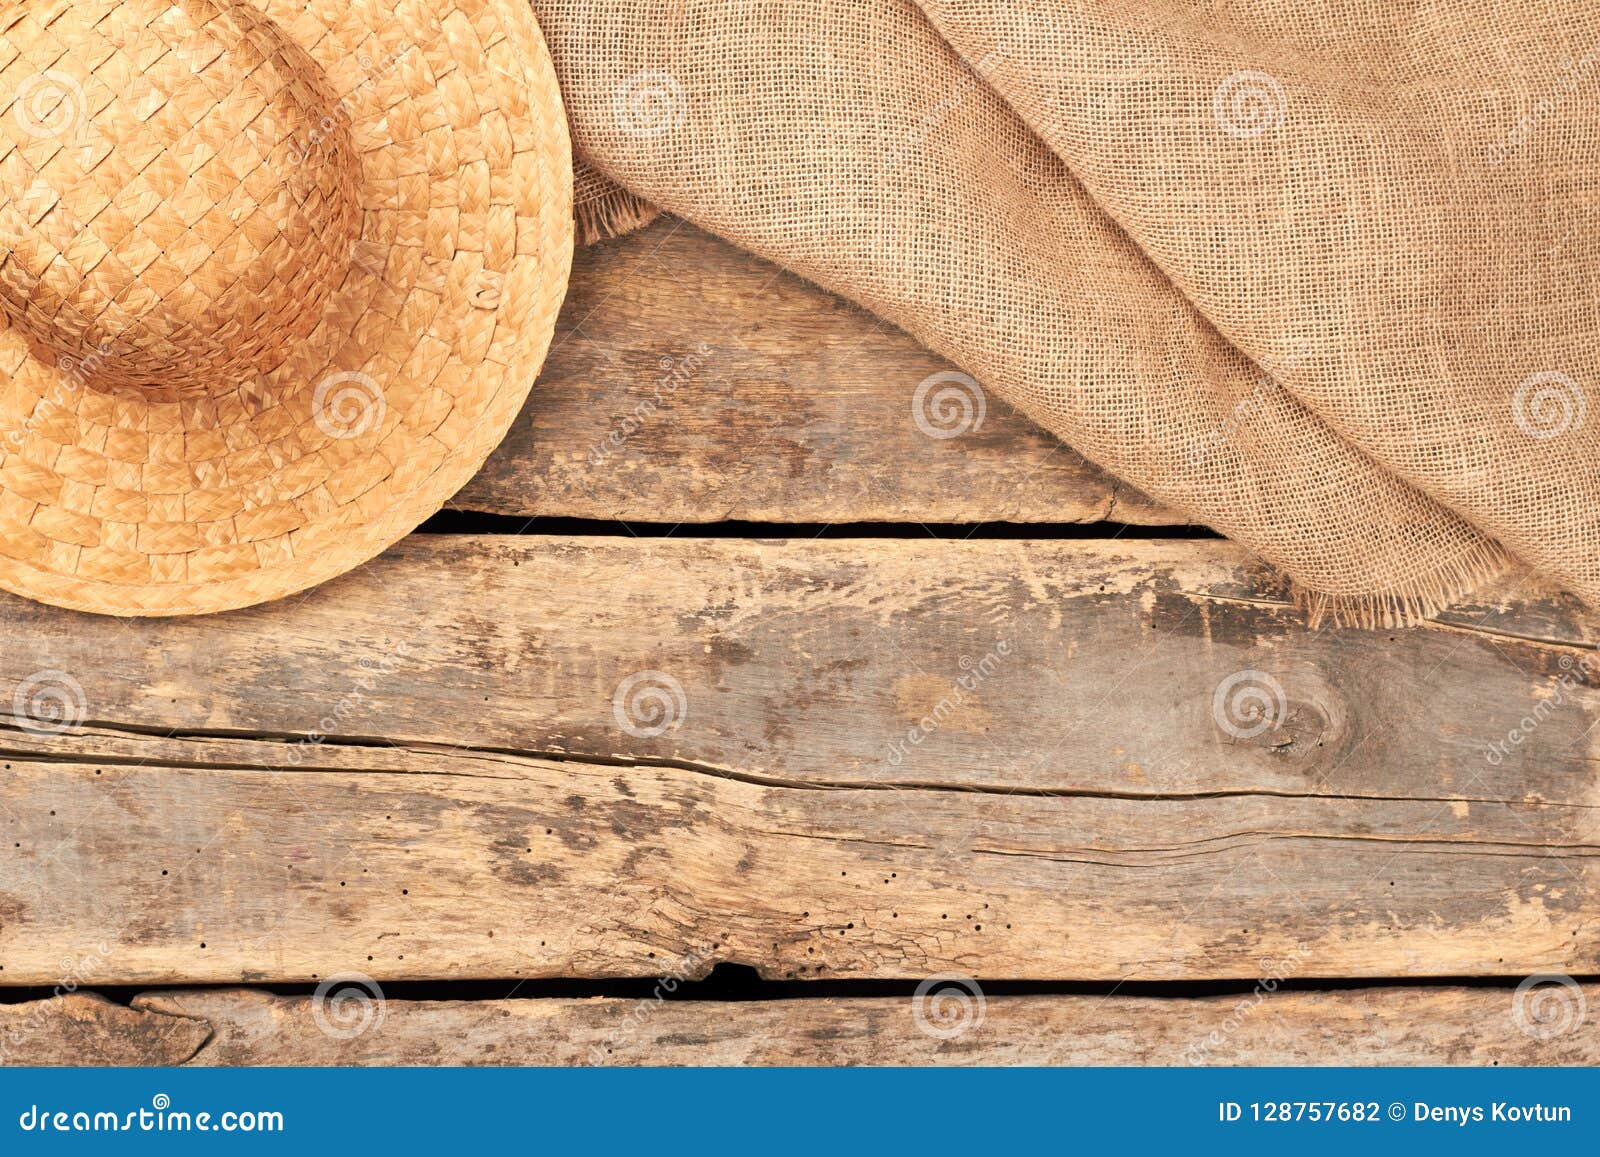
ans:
(75, 1028)
(691, 382)
(951, 1024)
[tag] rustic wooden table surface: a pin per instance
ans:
(725, 660)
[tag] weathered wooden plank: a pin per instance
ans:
(692, 382)
(80, 1028)
(408, 863)
(486, 804)
(1388, 1026)
(1088, 666)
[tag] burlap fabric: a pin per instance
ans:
(603, 209)
(1320, 275)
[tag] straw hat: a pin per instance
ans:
(276, 276)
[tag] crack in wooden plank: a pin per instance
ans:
(354, 743)
(564, 756)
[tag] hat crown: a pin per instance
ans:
(179, 191)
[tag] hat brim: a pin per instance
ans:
(128, 505)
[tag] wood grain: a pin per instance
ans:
(692, 382)
(1389, 1026)
(80, 1028)
(474, 807)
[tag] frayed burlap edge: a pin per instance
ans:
(1412, 603)
(603, 209)
(615, 213)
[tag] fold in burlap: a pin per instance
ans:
(1321, 276)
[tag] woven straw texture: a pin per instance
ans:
(1322, 275)
(275, 278)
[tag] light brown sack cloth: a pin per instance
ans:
(1322, 275)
